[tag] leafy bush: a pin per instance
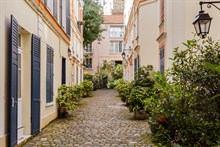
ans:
(138, 97)
(87, 76)
(117, 72)
(187, 109)
(64, 98)
(124, 90)
(142, 77)
(87, 88)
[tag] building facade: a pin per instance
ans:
(109, 48)
(141, 31)
(36, 58)
(76, 43)
(155, 27)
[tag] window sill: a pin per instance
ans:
(49, 104)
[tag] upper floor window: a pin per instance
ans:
(116, 32)
(88, 48)
(116, 47)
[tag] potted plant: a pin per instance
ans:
(64, 99)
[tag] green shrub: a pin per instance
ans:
(64, 98)
(117, 72)
(124, 90)
(78, 91)
(188, 110)
(87, 76)
(87, 88)
(137, 98)
(142, 77)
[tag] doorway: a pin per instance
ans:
(20, 127)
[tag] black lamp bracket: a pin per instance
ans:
(209, 5)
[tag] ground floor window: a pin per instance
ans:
(88, 62)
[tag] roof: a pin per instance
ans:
(113, 19)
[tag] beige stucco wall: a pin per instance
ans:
(49, 110)
(148, 33)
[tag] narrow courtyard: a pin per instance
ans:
(101, 120)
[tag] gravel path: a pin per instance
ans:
(101, 120)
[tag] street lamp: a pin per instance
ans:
(203, 20)
(123, 55)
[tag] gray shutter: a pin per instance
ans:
(55, 9)
(68, 17)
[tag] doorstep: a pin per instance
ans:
(24, 139)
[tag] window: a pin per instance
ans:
(73, 73)
(49, 75)
(88, 48)
(116, 47)
(77, 74)
(19, 75)
(162, 60)
(88, 62)
(116, 32)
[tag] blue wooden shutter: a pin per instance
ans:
(49, 76)
(35, 85)
(13, 82)
(162, 60)
(48, 79)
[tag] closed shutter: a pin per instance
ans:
(68, 17)
(35, 85)
(49, 76)
(55, 9)
(13, 82)
(63, 14)
(162, 60)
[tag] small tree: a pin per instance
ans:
(92, 15)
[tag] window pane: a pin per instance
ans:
(19, 83)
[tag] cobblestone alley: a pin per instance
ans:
(101, 120)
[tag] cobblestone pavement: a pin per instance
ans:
(101, 120)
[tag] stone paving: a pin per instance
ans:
(101, 120)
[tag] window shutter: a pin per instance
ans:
(35, 85)
(55, 9)
(63, 14)
(68, 17)
(162, 60)
(48, 78)
(13, 82)
(51, 73)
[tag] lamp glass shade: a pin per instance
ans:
(202, 24)
(123, 55)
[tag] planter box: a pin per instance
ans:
(140, 115)
(63, 111)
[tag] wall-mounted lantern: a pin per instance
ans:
(203, 20)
